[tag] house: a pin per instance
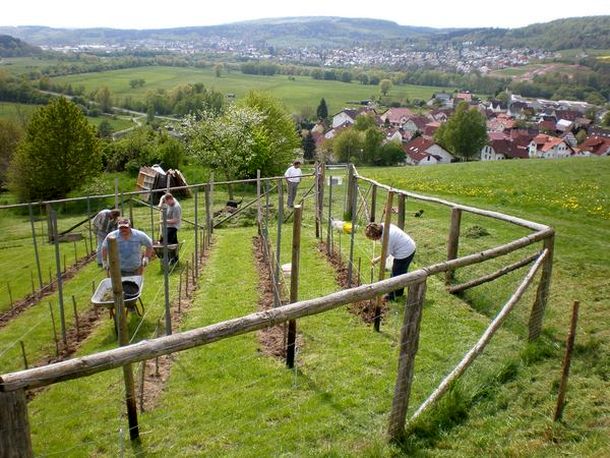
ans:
(564, 125)
(349, 115)
(549, 147)
(430, 128)
(396, 116)
(595, 145)
(424, 151)
(394, 135)
(496, 150)
(441, 99)
(415, 124)
(500, 123)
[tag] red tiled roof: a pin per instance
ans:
(596, 145)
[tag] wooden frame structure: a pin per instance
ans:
(13, 385)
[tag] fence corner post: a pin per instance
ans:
(542, 294)
(409, 342)
(294, 284)
(453, 241)
(15, 439)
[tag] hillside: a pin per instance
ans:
(14, 47)
(327, 32)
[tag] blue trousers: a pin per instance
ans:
(399, 267)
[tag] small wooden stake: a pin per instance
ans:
(142, 380)
(187, 278)
(25, 359)
(76, 317)
(75, 253)
(180, 292)
(567, 359)
(33, 287)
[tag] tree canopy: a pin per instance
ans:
(59, 153)
(255, 134)
(464, 133)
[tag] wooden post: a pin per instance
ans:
(32, 282)
(193, 263)
(117, 289)
(349, 209)
(180, 293)
(25, 358)
(49, 223)
(401, 211)
(15, 439)
(294, 283)
(60, 291)
(321, 180)
(76, 317)
(384, 254)
(258, 201)
(373, 202)
(54, 329)
(330, 212)
(409, 342)
(453, 242)
(75, 252)
(316, 168)
(33, 227)
(196, 229)
(542, 294)
(278, 246)
(168, 313)
(142, 381)
(208, 213)
(89, 225)
(354, 205)
(186, 275)
(567, 360)
(116, 192)
(133, 224)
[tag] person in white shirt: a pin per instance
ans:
(400, 245)
(293, 178)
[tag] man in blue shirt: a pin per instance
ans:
(130, 242)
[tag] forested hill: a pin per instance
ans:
(332, 32)
(581, 32)
(14, 47)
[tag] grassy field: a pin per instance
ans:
(229, 399)
(296, 94)
(21, 112)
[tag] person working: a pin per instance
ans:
(400, 245)
(293, 178)
(104, 223)
(174, 219)
(130, 242)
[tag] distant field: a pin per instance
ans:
(302, 92)
(19, 111)
(527, 72)
(20, 65)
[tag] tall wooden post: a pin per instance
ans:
(38, 269)
(133, 223)
(208, 213)
(321, 175)
(116, 192)
(121, 313)
(330, 213)
(168, 312)
(453, 242)
(196, 232)
(384, 254)
(60, 289)
(350, 265)
(259, 218)
(349, 202)
(409, 342)
(542, 294)
(373, 202)
(15, 439)
(294, 283)
(278, 246)
(89, 224)
(401, 211)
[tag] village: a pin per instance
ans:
(518, 128)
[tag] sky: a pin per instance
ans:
(136, 14)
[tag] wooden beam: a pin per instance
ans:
(384, 254)
(15, 438)
(483, 341)
(497, 274)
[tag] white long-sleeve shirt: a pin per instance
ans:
(400, 244)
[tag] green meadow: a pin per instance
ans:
(301, 92)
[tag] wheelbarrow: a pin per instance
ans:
(132, 289)
(172, 251)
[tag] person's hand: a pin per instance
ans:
(105, 265)
(145, 261)
(375, 260)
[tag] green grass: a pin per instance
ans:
(227, 399)
(21, 65)
(303, 91)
